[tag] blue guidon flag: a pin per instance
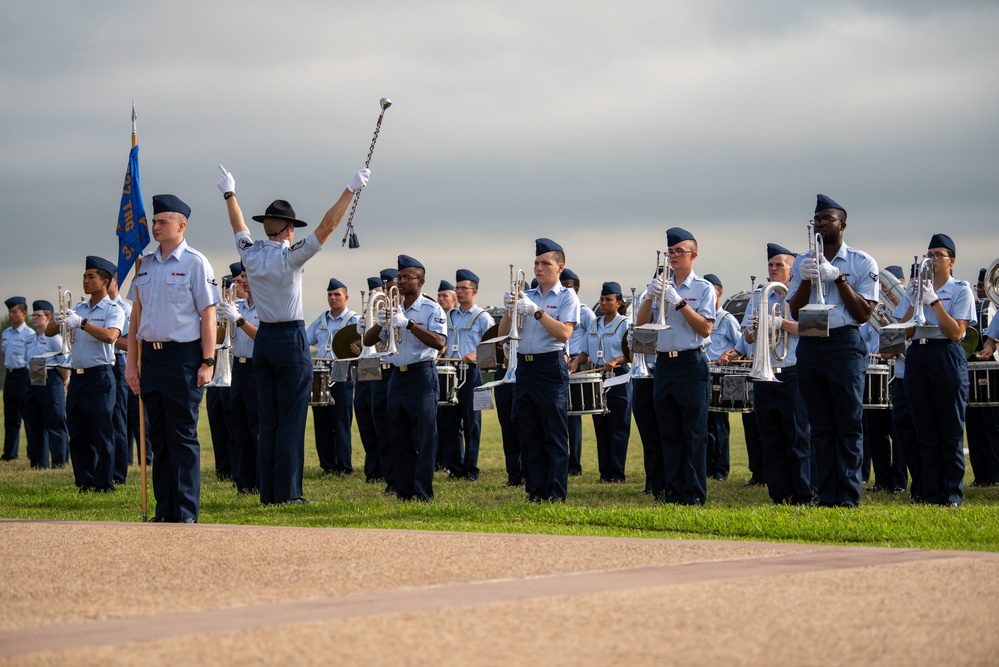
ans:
(133, 231)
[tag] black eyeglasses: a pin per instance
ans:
(937, 255)
(405, 279)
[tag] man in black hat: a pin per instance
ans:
(831, 368)
(281, 358)
(16, 339)
(173, 295)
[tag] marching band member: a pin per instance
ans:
(217, 401)
(244, 421)
(541, 395)
(982, 422)
(779, 408)
(90, 401)
(363, 415)
(332, 422)
(936, 375)
(281, 359)
(16, 338)
(682, 384)
(577, 343)
(446, 299)
(413, 390)
(724, 335)
(45, 407)
(881, 448)
(603, 347)
(514, 450)
(173, 297)
(379, 400)
(643, 411)
(461, 425)
(831, 369)
(122, 433)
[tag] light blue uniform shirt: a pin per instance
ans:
(871, 338)
(127, 309)
(898, 313)
(724, 334)
(87, 350)
(242, 344)
(603, 340)
(791, 358)
(957, 299)
(559, 302)
(275, 271)
(993, 330)
(322, 329)
(577, 341)
(173, 291)
(49, 347)
(861, 272)
(428, 314)
(465, 330)
(15, 346)
(699, 295)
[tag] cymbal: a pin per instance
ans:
(625, 348)
(493, 332)
(970, 342)
(342, 341)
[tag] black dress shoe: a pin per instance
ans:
(86, 489)
(104, 489)
(374, 480)
(575, 473)
(513, 483)
(296, 501)
(718, 476)
(188, 519)
(755, 481)
(159, 519)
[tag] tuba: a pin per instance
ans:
(223, 351)
(769, 342)
(992, 292)
(65, 301)
(517, 283)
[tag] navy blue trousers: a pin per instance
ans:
(15, 393)
(612, 432)
(783, 427)
(643, 410)
(172, 397)
(982, 425)
(412, 429)
(885, 452)
(366, 429)
(831, 377)
(905, 436)
(682, 395)
(45, 422)
(244, 427)
(120, 420)
(217, 406)
(936, 381)
(514, 452)
(754, 445)
(541, 395)
(89, 404)
(283, 368)
(379, 411)
(461, 429)
(719, 447)
(331, 424)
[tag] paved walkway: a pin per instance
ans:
(110, 593)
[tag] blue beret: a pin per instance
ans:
(335, 284)
(981, 275)
(236, 268)
(610, 288)
(465, 274)
(774, 249)
(713, 279)
(541, 246)
(822, 203)
(675, 235)
(226, 281)
(14, 301)
(568, 274)
(534, 283)
(388, 275)
(374, 282)
(170, 204)
(42, 305)
(407, 262)
(942, 241)
(895, 270)
(95, 262)
(445, 286)
(281, 210)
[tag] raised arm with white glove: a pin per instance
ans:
(360, 180)
(226, 183)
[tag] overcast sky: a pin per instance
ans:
(596, 124)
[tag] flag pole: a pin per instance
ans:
(138, 363)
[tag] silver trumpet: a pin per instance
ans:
(517, 283)
(813, 319)
(769, 343)
(223, 351)
(65, 301)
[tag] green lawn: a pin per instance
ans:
(733, 511)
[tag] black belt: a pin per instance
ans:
(933, 341)
(16, 371)
(166, 344)
(842, 331)
(282, 325)
(678, 354)
(543, 356)
(418, 365)
(93, 369)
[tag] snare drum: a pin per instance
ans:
(984, 389)
(731, 390)
(447, 378)
(586, 395)
(321, 382)
(877, 395)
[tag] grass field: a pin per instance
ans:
(733, 511)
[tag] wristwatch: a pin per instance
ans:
(409, 325)
(228, 194)
(83, 323)
(840, 279)
(210, 361)
(240, 322)
(681, 305)
(538, 313)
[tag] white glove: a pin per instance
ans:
(72, 320)
(751, 321)
(808, 270)
(360, 327)
(382, 318)
(227, 183)
(655, 288)
(399, 320)
(360, 180)
(929, 296)
(828, 272)
(508, 301)
(672, 295)
(910, 291)
(227, 311)
(775, 322)
(525, 306)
